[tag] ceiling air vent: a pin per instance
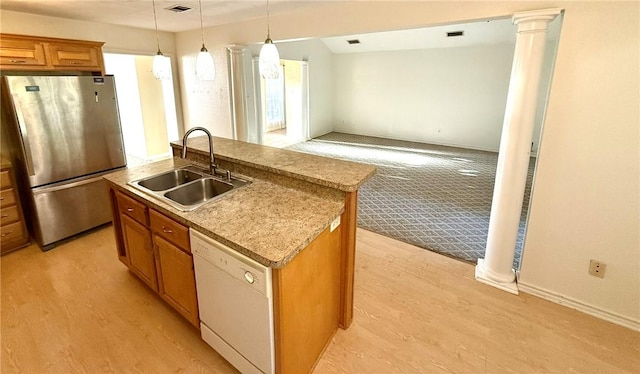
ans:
(178, 8)
(451, 34)
(353, 41)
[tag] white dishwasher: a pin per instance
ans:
(235, 305)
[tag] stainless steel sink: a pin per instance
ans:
(188, 188)
(169, 179)
(199, 191)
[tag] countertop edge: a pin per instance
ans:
(322, 182)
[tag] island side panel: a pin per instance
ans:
(307, 304)
(348, 256)
(117, 225)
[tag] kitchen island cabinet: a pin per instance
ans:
(155, 248)
(303, 231)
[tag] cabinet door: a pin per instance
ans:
(137, 241)
(176, 280)
(18, 53)
(74, 56)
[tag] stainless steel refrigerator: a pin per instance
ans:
(64, 134)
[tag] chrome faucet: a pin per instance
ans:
(212, 161)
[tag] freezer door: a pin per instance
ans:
(64, 209)
(69, 126)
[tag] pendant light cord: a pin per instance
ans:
(201, 26)
(268, 27)
(155, 20)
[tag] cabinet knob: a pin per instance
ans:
(166, 230)
(129, 209)
(6, 233)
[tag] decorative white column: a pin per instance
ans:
(235, 55)
(496, 269)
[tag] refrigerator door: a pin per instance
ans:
(64, 209)
(69, 126)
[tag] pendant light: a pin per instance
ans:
(205, 69)
(269, 57)
(161, 63)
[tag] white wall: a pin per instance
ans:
(320, 79)
(117, 39)
(585, 199)
(207, 103)
(451, 96)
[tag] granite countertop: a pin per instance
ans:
(342, 175)
(264, 221)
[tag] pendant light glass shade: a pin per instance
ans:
(161, 66)
(205, 69)
(269, 61)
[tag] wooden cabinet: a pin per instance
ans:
(20, 53)
(156, 248)
(33, 53)
(137, 242)
(176, 279)
(13, 232)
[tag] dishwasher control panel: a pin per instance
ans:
(243, 269)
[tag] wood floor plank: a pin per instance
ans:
(77, 309)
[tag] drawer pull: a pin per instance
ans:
(129, 209)
(17, 61)
(4, 216)
(1, 198)
(6, 233)
(76, 63)
(166, 230)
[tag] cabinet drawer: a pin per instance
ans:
(7, 198)
(170, 230)
(22, 53)
(11, 232)
(74, 56)
(132, 208)
(9, 215)
(5, 180)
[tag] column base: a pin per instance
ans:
(481, 277)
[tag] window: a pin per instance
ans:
(274, 103)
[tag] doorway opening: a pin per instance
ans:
(284, 102)
(147, 108)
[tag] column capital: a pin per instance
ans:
(534, 20)
(236, 48)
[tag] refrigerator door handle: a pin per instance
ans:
(64, 186)
(26, 148)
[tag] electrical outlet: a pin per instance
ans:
(597, 268)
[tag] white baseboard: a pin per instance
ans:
(580, 306)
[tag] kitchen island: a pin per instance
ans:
(297, 217)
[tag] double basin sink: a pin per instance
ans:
(187, 188)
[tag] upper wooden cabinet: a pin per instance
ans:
(20, 52)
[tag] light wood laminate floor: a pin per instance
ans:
(78, 309)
